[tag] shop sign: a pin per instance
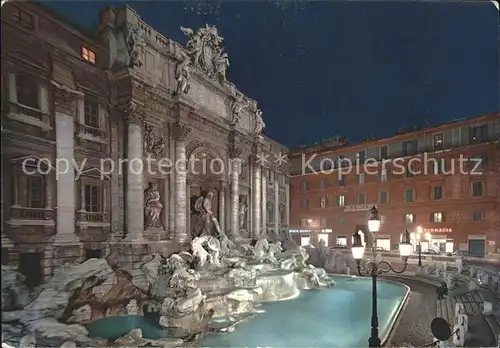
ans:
(357, 207)
(437, 230)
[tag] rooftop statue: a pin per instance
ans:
(135, 46)
(204, 49)
(259, 123)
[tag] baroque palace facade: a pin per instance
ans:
(76, 107)
(414, 179)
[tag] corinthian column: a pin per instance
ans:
(276, 206)
(64, 101)
(235, 162)
(135, 187)
(264, 203)
(256, 185)
(180, 132)
(222, 207)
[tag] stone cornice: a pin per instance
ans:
(63, 95)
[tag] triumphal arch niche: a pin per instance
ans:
(177, 105)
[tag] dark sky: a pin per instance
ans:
(349, 68)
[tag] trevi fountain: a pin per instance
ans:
(212, 288)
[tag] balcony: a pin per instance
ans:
(24, 216)
(91, 217)
(90, 133)
(28, 115)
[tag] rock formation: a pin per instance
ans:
(183, 292)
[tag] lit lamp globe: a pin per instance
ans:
(357, 249)
(405, 247)
(374, 221)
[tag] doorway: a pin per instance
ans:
(477, 247)
(30, 265)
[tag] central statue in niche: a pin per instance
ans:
(205, 217)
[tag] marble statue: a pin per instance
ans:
(261, 248)
(243, 169)
(152, 205)
(210, 257)
(274, 248)
(182, 75)
(259, 122)
(206, 217)
(242, 214)
(221, 63)
(204, 49)
(153, 145)
(237, 106)
(135, 46)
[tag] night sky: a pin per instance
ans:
(356, 69)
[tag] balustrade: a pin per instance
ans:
(24, 213)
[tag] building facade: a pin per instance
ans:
(415, 179)
(110, 139)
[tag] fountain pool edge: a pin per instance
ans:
(395, 318)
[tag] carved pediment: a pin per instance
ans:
(94, 172)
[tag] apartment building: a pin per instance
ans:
(440, 182)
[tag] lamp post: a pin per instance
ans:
(419, 239)
(372, 266)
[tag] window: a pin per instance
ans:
(342, 220)
(477, 215)
(383, 219)
(409, 195)
(436, 166)
(437, 217)
(437, 192)
(361, 198)
(323, 221)
(383, 175)
(409, 171)
(477, 189)
(480, 161)
(322, 202)
(305, 204)
(341, 180)
(326, 164)
(342, 161)
(361, 178)
(27, 90)
(438, 142)
(24, 19)
(35, 192)
(269, 177)
(88, 55)
(478, 134)
(91, 112)
(270, 213)
(93, 198)
(304, 222)
(409, 147)
(341, 242)
(409, 218)
(383, 197)
(323, 183)
(341, 201)
(361, 157)
(384, 152)
(305, 185)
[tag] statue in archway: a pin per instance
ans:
(206, 217)
(242, 213)
(152, 205)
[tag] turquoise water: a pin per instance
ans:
(336, 317)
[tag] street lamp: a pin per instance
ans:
(419, 239)
(372, 266)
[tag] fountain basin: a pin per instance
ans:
(323, 318)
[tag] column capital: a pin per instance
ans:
(64, 95)
(134, 112)
(180, 131)
(234, 152)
